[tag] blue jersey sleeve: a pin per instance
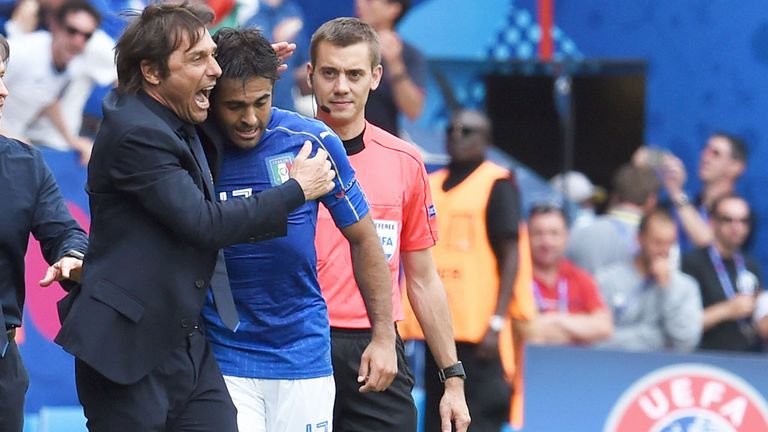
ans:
(346, 202)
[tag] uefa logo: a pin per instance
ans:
(689, 398)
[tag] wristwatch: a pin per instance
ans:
(496, 323)
(74, 254)
(682, 200)
(455, 370)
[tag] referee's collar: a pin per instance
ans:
(355, 145)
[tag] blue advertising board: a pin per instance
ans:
(582, 389)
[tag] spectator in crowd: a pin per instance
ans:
(32, 204)
(729, 279)
(277, 366)
(477, 260)
(571, 310)
(722, 161)
(142, 361)
(405, 70)
(577, 187)
(654, 305)
(612, 237)
(53, 75)
(344, 68)
(281, 20)
(760, 317)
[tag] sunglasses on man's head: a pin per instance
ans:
(74, 32)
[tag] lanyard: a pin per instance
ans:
(722, 273)
(623, 228)
(546, 305)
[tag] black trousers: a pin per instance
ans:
(391, 410)
(487, 391)
(14, 382)
(186, 392)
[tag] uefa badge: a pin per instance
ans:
(687, 398)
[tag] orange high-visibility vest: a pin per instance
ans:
(468, 269)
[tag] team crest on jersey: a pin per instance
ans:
(279, 167)
(687, 398)
(388, 235)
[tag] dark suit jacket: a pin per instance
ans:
(30, 202)
(155, 234)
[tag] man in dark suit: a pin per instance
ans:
(30, 202)
(143, 363)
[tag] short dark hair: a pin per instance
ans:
(343, 32)
(244, 54)
(543, 208)
(635, 184)
(660, 213)
(5, 49)
(153, 35)
(72, 6)
(738, 146)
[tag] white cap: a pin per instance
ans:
(574, 185)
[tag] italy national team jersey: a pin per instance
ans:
(284, 331)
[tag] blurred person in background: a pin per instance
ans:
(32, 204)
(654, 305)
(612, 237)
(577, 187)
(721, 162)
(53, 76)
(401, 90)
(283, 21)
(344, 68)
(477, 259)
(729, 279)
(571, 309)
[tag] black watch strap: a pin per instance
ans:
(455, 370)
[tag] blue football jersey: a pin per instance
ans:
(284, 331)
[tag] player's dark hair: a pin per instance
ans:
(72, 6)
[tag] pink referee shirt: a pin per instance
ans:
(395, 182)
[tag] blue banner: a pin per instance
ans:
(581, 389)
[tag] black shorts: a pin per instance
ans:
(391, 410)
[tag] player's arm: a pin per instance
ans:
(378, 365)
(430, 304)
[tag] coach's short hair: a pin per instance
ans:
(343, 32)
(153, 35)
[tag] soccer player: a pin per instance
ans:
(277, 365)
